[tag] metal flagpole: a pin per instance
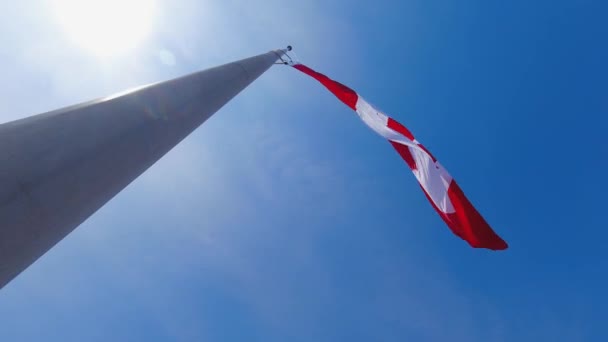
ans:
(58, 168)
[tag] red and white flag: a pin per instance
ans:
(442, 191)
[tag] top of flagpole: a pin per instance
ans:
(284, 52)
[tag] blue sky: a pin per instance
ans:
(309, 227)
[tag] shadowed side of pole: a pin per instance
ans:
(58, 168)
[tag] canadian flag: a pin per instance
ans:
(442, 191)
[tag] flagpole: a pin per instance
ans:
(60, 167)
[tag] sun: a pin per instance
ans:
(105, 27)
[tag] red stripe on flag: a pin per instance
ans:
(405, 153)
(397, 126)
(466, 222)
(469, 222)
(342, 92)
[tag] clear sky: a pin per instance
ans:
(309, 227)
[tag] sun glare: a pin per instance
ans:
(105, 27)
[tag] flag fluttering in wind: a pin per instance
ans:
(442, 191)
